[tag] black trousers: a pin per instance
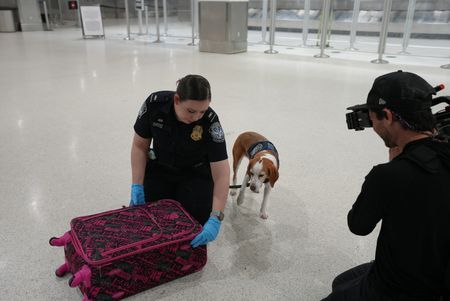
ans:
(192, 187)
(354, 285)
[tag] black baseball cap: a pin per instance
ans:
(399, 91)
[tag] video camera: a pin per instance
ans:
(443, 119)
(359, 119)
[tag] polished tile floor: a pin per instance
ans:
(67, 108)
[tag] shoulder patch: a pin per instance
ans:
(216, 132)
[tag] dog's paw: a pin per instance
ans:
(233, 192)
(240, 199)
(263, 215)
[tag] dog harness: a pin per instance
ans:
(260, 146)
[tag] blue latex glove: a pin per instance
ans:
(137, 195)
(209, 232)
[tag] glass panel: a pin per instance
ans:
(430, 31)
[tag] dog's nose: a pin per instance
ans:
(253, 188)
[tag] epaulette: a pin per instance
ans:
(424, 157)
(160, 96)
(211, 115)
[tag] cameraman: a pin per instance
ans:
(410, 194)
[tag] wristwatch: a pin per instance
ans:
(219, 214)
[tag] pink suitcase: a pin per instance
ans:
(119, 253)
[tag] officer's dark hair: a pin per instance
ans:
(418, 121)
(194, 87)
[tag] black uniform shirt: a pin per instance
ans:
(176, 144)
(411, 195)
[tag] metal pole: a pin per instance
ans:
(140, 21)
(265, 7)
(127, 18)
(408, 25)
(192, 23)
(165, 17)
(140, 9)
(79, 14)
(273, 11)
(323, 36)
(305, 28)
(196, 17)
(157, 22)
(383, 34)
(60, 12)
(355, 16)
(146, 19)
(47, 22)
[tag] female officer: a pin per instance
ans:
(189, 161)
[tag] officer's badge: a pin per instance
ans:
(217, 132)
(197, 132)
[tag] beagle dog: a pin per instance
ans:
(262, 166)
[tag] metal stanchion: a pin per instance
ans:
(192, 23)
(157, 22)
(78, 24)
(305, 28)
(323, 36)
(146, 19)
(355, 17)
(47, 22)
(140, 21)
(273, 11)
(196, 14)
(265, 6)
(408, 25)
(140, 7)
(165, 17)
(383, 34)
(60, 12)
(127, 18)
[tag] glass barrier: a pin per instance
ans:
(416, 27)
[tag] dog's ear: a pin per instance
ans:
(248, 170)
(272, 172)
(250, 165)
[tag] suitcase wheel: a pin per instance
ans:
(71, 280)
(62, 270)
(82, 276)
(60, 241)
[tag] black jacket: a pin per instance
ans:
(411, 195)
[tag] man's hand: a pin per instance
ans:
(137, 195)
(209, 232)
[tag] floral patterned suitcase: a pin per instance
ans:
(119, 253)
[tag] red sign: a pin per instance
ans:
(73, 5)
